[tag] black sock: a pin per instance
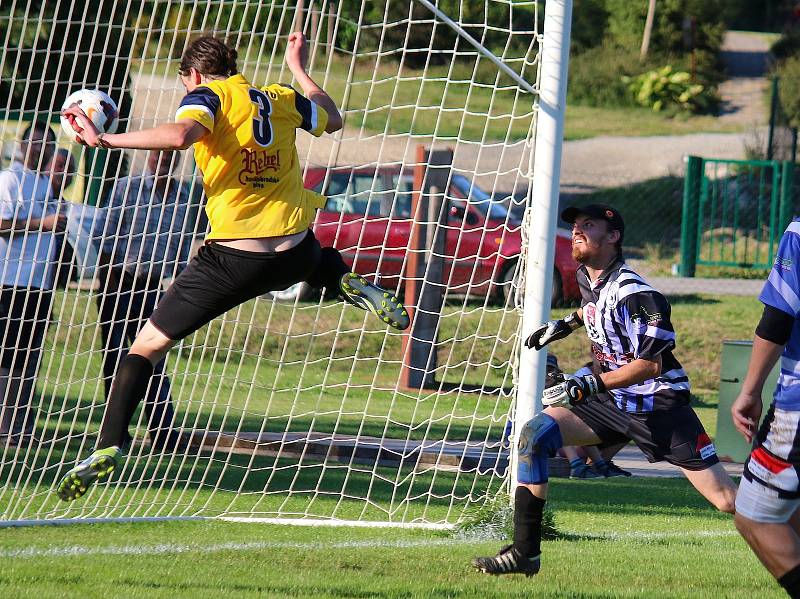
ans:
(791, 582)
(527, 522)
(127, 391)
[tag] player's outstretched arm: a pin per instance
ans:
(746, 410)
(169, 136)
(296, 60)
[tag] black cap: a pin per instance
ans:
(597, 211)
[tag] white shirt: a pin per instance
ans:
(27, 258)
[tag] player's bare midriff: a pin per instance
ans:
(265, 244)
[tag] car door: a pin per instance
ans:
(351, 220)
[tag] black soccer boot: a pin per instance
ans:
(508, 561)
(368, 296)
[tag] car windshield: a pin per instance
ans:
(480, 199)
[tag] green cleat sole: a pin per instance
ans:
(77, 481)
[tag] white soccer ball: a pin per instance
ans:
(97, 105)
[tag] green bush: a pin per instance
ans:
(589, 24)
(595, 77)
(789, 73)
(787, 46)
(670, 90)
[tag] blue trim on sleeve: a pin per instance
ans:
(202, 96)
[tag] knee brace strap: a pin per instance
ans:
(538, 440)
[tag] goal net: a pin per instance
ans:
(293, 405)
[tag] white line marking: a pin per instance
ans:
(161, 549)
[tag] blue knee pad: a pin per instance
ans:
(538, 440)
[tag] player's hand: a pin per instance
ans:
(553, 330)
(746, 412)
(572, 391)
(297, 52)
(57, 223)
(87, 133)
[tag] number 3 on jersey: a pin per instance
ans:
(262, 128)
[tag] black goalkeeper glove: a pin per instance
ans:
(572, 391)
(555, 329)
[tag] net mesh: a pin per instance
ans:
(293, 405)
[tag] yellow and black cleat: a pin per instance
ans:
(97, 466)
(368, 296)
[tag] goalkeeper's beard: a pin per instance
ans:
(584, 252)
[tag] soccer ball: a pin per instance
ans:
(97, 105)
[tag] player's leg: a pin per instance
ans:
(678, 436)
(127, 391)
(333, 273)
(715, 485)
(768, 500)
(775, 543)
(603, 465)
(158, 407)
(538, 440)
(200, 293)
(578, 468)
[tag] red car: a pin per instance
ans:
(368, 218)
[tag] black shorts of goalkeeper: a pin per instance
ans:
(674, 435)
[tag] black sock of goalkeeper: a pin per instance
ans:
(528, 511)
(127, 392)
(791, 582)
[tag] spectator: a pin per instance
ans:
(146, 238)
(28, 223)
(62, 171)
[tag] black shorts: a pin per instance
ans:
(220, 278)
(24, 315)
(675, 435)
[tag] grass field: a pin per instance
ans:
(648, 538)
(606, 527)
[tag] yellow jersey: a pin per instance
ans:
(251, 173)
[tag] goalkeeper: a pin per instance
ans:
(638, 390)
(258, 210)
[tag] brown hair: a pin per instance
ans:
(209, 56)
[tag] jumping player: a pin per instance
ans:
(258, 210)
(769, 492)
(638, 391)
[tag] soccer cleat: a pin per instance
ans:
(584, 471)
(97, 466)
(508, 561)
(367, 296)
(610, 469)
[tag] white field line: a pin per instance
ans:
(162, 549)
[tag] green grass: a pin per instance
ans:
(619, 538)
(583, 122)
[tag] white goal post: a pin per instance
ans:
(291, 407)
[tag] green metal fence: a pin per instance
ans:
(734, 212)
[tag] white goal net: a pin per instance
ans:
(294, 405)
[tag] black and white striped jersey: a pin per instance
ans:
(626, 319)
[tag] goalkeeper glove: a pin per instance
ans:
(555, 329)
(572, 391)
